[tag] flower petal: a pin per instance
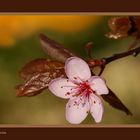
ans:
(77, 110)
(62, 87)
(96, 108)
(77, 69)
(98, 85)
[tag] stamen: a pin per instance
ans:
(72, 92)
(78, 82)
(68, 86)
(80, 79)
(90, 101)
(68, 93)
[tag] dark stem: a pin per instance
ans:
(102, 69)
(88, 48)
(133, 52)
(104, 61)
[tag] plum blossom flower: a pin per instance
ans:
(81, 89)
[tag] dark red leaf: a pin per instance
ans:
(124, 26)
(115, 102)
(37, 75)
(37, 83)
(39, 66)
(55, 50)
(119, 26)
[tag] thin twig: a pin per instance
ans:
(133, 52)
(104, 61)
(88, 48)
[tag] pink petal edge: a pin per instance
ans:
(77, 69)
(61, 87)
(98, 85)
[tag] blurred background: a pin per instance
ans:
(19, 43)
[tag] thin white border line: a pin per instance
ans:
(72, 126)
(71, 13)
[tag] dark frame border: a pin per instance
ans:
(73, 6)
(70, 6)
(70, 132)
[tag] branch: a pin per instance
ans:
(104, 61)
(133, 52)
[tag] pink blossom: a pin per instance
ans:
(82, 90)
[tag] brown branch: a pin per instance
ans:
(104, 61)
(133, 52)
(110, 59)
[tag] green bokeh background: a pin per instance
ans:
(122, 76)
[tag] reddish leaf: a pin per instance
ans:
(119, 26)
(37, 83)
(54, 50)
(37, 75)
(124, 26)
(115, 102)
(39, 66)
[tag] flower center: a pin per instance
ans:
(85, 89)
